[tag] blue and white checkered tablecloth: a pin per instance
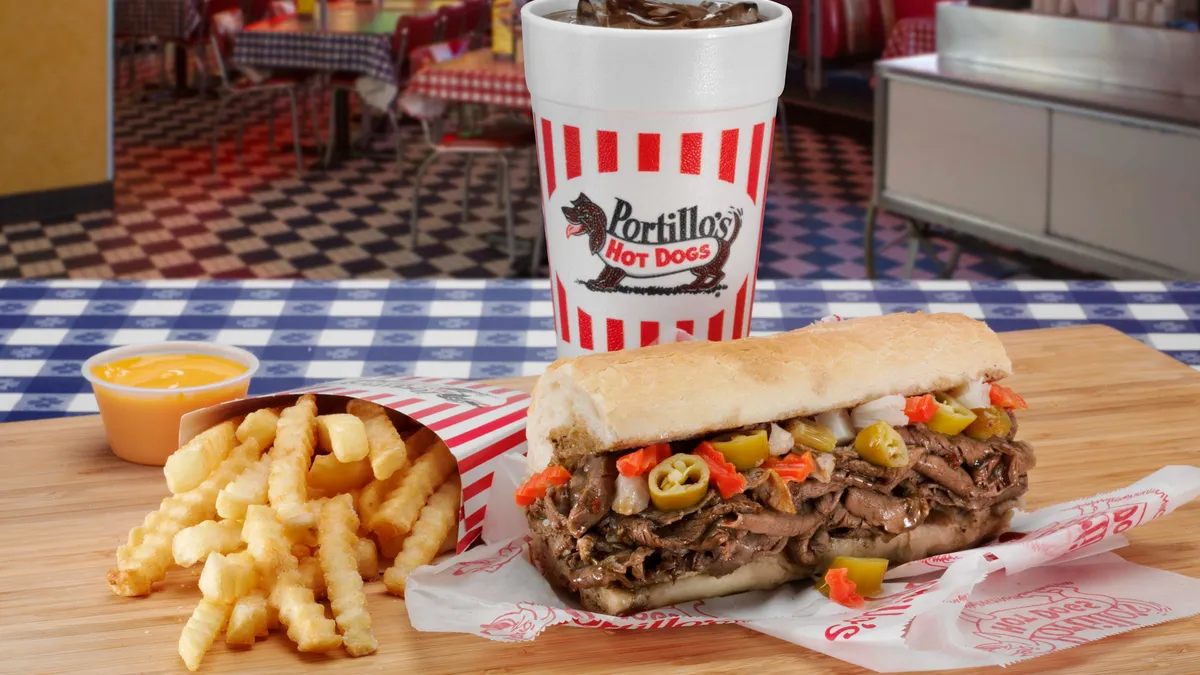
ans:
(359, 53)
(305, 332)
(165, 19)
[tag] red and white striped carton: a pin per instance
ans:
(1051, 584)
(655, 150)
(477, 421)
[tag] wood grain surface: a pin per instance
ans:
(1105, 411)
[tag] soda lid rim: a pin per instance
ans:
(533, 12)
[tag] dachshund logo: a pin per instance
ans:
(675, 243)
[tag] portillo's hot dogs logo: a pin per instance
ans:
(687, 244)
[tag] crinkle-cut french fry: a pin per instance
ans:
(344, 435)
(193, 544)
(387, 451)
(261, 425)
(312, 577)
(371, 497)
(265, 540)
(248, 620)
(304, 536)
(333, 477)
(344, 585)
(367, 556)
(139, 566)
(399, 511)
(202, 629)
(450, 543)
(420, 442)
(303, 615)
(287, 481)
(188, 466)
(437, 520)
(301, 551)
(298, 608)
(137, 534)
(389, 547)
(250, 487)
(227, 578)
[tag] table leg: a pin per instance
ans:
(181, 69)
(339, 139)
(341, 134)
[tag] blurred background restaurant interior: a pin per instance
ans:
(254, 138)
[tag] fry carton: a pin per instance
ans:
(478, 422)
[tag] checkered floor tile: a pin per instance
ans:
(173, 218)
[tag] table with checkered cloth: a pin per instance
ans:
(306, 332)
(474, 77)
(360, 53)
(912, 36)
(165, 19)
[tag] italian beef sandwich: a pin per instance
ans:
(699, 469)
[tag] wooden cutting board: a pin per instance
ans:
(1105, 411)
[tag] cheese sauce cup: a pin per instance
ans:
(143, 391)
(654, 147)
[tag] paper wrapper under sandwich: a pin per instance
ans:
(1051, 583)
(478, 422)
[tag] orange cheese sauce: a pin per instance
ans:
(143, 424)
(169, 371)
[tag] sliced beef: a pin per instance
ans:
(986, 471)
(958, 449)
(596, 497)
(775, 524)
(716, 536)
(687, 533)
(953, 478)
(669, 517)
(841, 519)
(803, 491)
(545, 519)
(742, 549)
(891, 514)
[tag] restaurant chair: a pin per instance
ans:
(502, 137)
(412, 32)
(235, 85)
(453, 20)
(477, 18)
(261, 10)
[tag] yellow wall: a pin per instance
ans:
(53, 94)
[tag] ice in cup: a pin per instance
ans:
(654, 148)
(143, 390)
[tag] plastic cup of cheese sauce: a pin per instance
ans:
(143, 391)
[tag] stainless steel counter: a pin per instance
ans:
(1072, 93)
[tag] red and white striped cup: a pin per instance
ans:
(654, 147)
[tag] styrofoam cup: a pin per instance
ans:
(655, 149)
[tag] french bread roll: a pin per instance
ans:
(619, 400)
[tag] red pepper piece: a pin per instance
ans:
(1006, 398)
(792, 466)
(721, 473)
(841, 589)
(919, 408)
(639, 462)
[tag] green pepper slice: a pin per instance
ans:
(881, 445)
(812, 435)
(951, 417)
(745, 450)
(678, 482)
(866, 573)
(989, 422)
